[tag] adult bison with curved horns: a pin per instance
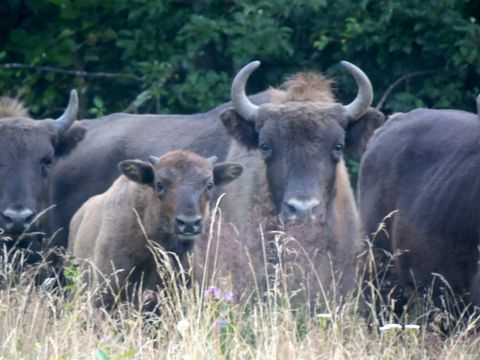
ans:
(29, 149)
(423, 166)
(295, 178)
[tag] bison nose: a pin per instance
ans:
(17, 220)
(188, 226)
(294, 208)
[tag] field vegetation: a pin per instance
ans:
(39, 320)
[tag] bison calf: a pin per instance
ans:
(165, 200)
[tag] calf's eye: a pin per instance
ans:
(210, 186)
(339, 147)
(159, 188)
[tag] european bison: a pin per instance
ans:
(292, 151)
(422, 168)
(169, 197)
(29, 150)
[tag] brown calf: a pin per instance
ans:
(169, 197)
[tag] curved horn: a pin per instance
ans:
(364, 98)
(70, 114)
(243, 106)
(212, 159)
(478, 106)
(153, 160)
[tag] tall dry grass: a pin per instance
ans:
(42, 321)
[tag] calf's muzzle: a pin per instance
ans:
(188, 227)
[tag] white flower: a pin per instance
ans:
(324, 320)
(182, 326)
(387, 327)
(324, 316)
(412, 327)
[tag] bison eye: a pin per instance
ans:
(160, 188)
(264, 147)
(45, 166)
(337, 152)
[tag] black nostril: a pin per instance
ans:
(30, 218)
(292, 209)
(180, 222)
(188, 224)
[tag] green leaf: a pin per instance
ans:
(128, 354)
(100, 355)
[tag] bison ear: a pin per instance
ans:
(136, 170)
(226, 172)
(240, 129)
(69, 140)
(358, 133)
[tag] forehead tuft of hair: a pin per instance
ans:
(307, 86)
(10, 107)
(181, 159)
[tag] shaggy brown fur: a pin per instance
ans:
(107, 231)
(10, 107)
(304, 87)
(303, 127)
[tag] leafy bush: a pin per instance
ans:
(180, 56)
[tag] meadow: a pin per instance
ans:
(203, 321)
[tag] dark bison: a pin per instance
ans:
(423, 166)
(292, 152)
(169, 197)
(118, 137)
(29, 149)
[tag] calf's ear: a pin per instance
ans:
(358, 133)
(226, 172)
(240, 129)
(69, 140)
(137, 170)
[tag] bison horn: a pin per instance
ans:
(70, 114)
(243, 106)
(153, 160)
(212, 159)
(364, 98)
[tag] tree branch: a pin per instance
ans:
(145, 95)
(69, 72)
(400, 80)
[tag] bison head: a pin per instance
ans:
(28, 151)
(301, 136)
(182, 184)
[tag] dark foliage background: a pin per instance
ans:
(180, 56)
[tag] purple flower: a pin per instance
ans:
(105, 339)
(229, 297)
(213, 292)
(222, 323)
